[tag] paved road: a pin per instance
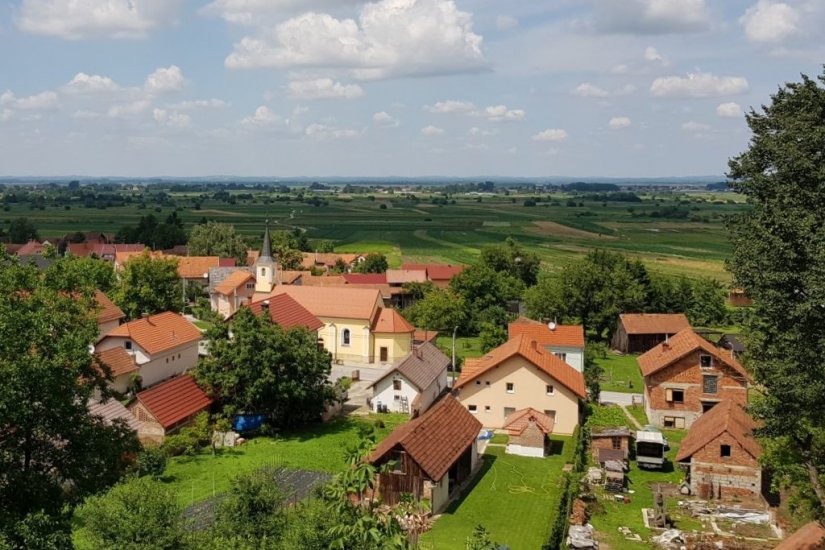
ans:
(620, 398)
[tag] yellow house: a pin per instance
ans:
(517, 375)
(357, 328)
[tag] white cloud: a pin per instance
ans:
(626, 89)
(38, 102)
(619, 122)
(431, 130)
(128, 110)
(652, 55)
(499, 113)
(76, 19)
(165, 80)
(695, 127)
(770, 22)
(250, 12)
(383, 118)
(323, 88)
(213, 103)
(475, 131)
(586, 89)
(322, 132)
(551, 134)
(391, 38)
(83, 84)
(698, 85)
(651, 16)
(7, 98)
(506, 22)
(263, 117)
(729, 110)
(84, 114)
(171, 118)
(451, 106)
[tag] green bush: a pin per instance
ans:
(151, 461)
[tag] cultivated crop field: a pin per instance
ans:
(672, 232)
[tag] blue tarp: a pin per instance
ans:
(247, 422)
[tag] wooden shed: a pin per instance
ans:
(613, 438)
(639, 332)
(168, 406)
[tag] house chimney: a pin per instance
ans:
(265, 306)
(533, 344)
(665, 346)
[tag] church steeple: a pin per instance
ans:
(265, 275)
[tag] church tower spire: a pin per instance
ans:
(265, 274)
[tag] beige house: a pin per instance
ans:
(233, 292)
(109, 315)
(517, 375)
(162, 345)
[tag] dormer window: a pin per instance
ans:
(705, 361)
(127, 344)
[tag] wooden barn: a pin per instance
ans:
(429, 456)
(639, 332)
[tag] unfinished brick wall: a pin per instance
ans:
(532, 436)
(597, 442)
(736, 475)
(687, 375)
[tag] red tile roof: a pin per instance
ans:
(31, 248)
(327, 259)
(343, 302)
(435, 440)
(518, 421)
(118, 360)
(233, 281)
(365, 278)
(390, 321)
(654, 323)
(421, 335)
(437, 272)
(530, 350)
(678, 346)
(286, 312)
(810, 536)
(401, 276)
(726, 416)
(158, 333)
(174, 400)
(560, 335)
(108, 310)
(195, 267)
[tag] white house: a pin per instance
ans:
(564, 341)
(162, 345)
(414, 383)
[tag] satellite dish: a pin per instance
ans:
(551, 325)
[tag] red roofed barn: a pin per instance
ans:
(638, 332)
(169, 406)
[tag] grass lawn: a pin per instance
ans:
(203, 325)
(608, 515)
(621, 373)
(465, 346)
(514, 497)
(638, 412)
(319, 447)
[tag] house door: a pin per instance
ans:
(384, 354)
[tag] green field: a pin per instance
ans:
(621, 373)
(516, 498)
(417, 230)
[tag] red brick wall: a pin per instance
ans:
(686, 374)
(532, 436)
(607, 443)
(736, 475)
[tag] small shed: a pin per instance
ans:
(737, 297)
(733, 342)
(169, 406)
(639, 332)
(613, 438)
(528, 430)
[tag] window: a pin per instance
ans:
(345, 337)
(487, 382)
(478, 382)
(486, 408)
(250, 286)
(167, 359)
(549, 390)
(705, 361)
(616, 442)
(127, 344)
(179, 356)
(508, 411)
(674, 422)
(551, 414)
(709, 384)
(674, 396)
(472, 408)
(511, 387)
(397, 459)
(561, 355)
(707, 405)
(724, 451)
(396, 385)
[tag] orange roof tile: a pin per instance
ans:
(421, 335)
(108, 310)
(654, 323)
(174, 400)
(344, 302)
(679, 345)
(726, 416)
(322, 280)
(286, 312)
(233, 281)
(401, 276)
(158, 333)
(327, 259)
(561, 335)
(195, 267)
(530, 350)
(118, 360)
(810, 536)
(365, 278)
(434, 440)
(437, 272)
(518, 421)
(390, 321)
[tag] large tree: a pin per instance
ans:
(513, 259)
(21, 230)
(148, 285)
(261, 368)
(74, 271)
(779, 258)
(486, 293)
(373, 263)
(438, 309)
(217, 239)
(52, 452)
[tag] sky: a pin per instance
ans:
(610, 88)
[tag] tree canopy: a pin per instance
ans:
(779, 259)
(373, 263)
(262, 368)
(148, 285)
(150, 232)
(73, 272)
(511, 258)
(22, 230)
(217, 239)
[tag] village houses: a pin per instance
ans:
(638, 332)
(564, 341)
(413, 383)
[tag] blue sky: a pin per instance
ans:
(392, 88)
